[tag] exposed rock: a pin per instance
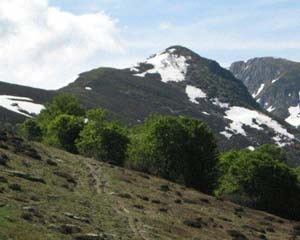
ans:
(69, 229)
(27, 176)
(3, 159)
(73, 216)
(236, 235)
(164, 188)
(51, 162)
(15, 187)
(94, 236)
(197, 223)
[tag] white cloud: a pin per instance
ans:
(165, 26)
(44, 46)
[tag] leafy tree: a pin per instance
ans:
(103, 140)
(62, 104)
(267, 183)
(31, 130)
(63, 132)
(178, 149)
(201, 163)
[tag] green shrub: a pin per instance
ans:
(103, 140)
(62, 104)
(31, 130)
(63, 132)
(262, 180)
(179, 149)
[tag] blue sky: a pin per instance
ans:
(57, 39)
(223, 30)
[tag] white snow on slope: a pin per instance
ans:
(275, 80)
(20, 104)
(194, 93)
(270, 109)
(169, 65)
(259, 90)
(241, 116)
(294, 118)
(217, 102)
(88, 88)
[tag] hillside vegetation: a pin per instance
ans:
(47, 193)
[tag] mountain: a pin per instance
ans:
(178, 81)
(274, 83)
(19, 102)
(50, 194)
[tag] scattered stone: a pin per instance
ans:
(145, 198)
(225, 219)
(205, 200)
(94, 236)
(3, 179)
(67, 176)
(125, 195)
(27, 176)
(51, 162)
(141, 207)
(164, 188)
(156, 201)
(164, 210)
(197, 223)
(178, 201)
(27, 216)
(3, 159)
(236, 235)
(69, 229)
(82, 219)
(15, 187)
(178, 193)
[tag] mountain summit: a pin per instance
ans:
(274, 83)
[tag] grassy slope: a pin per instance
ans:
(123, 204)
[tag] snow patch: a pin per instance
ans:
(241, 117)
(20, 105)
(217, 102)
(275, 80)
(194, 93)
(294, 118)
(206, 113)
(259, 90)
(170, 66)
(270, 109)
(251, 148)
(88, 88)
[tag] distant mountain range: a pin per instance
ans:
(175, 81)
(275, 85)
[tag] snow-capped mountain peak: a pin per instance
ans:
(169, 64)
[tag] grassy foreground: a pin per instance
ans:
(46, 193)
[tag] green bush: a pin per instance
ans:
(103, 140)
(31, 130)
(262, 180)
(63, 132)
(179, 149)
(62, 104)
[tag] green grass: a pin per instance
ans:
(108, 212)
